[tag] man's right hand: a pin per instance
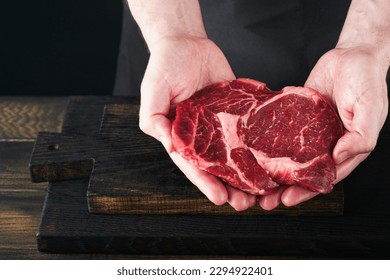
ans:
(178, 67)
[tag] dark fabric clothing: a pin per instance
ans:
(132, 57)
(276, 42)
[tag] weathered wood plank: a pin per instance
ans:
(22, 117)
(84, 114)
(14, 171)
(20, 200)
(67, 226)
(21, 203)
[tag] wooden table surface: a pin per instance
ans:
(21, 201)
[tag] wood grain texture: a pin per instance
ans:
(20, 201)
(84, 113)
(21, 118)
(67, 226)
(131, 172)
(21, 204)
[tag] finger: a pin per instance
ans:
(162, 131)
(294, 195)
(239, 200)
(347, 166)
(352, 144)
(271, 201)
(320, 80)
(208, 184)
(315, 82)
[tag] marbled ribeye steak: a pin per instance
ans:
(256, 139)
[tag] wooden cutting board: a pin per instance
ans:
(130, 172)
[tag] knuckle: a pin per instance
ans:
(369, 146)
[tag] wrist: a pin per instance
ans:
(367, 27)
(167, 18)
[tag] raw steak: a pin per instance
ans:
(256, 139)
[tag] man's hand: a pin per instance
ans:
(182, 61)
(177, 68)
(353, 78)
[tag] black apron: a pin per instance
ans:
(276, 42)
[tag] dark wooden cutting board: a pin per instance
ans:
(67, 225)
(129, 171)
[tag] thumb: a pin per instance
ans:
(320, 77)
(352, 144)
(159, 127)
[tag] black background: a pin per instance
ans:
(59, 47)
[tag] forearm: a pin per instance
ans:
(163, 18)
(368, 23)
